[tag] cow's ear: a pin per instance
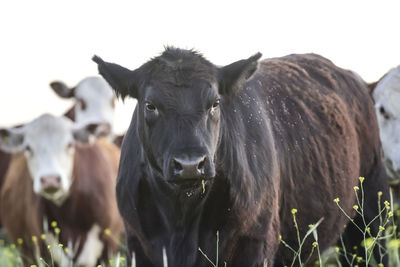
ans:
(372, 86)
(121, 79)
(11, 139)
(232, 76)
(62, 90)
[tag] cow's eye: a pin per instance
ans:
(82, 104)
(383, 112)
(70, 146)
(28, 150)
(216, 104)
(150, 107)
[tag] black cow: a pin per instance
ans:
(234, 149)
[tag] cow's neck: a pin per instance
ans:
(184, 214)
(75, 206)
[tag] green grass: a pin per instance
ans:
(388, 217)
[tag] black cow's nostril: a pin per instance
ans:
(177, 167)
(200, 167)
(189, 167)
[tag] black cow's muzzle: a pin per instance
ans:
(192, 167)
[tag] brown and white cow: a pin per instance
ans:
(94, 104)
(386, 95)
(58, 174)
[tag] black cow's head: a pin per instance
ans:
(179, 95)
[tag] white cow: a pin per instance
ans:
(94, 103)
(48, 144)
(386, 95)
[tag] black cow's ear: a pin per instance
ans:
(121, 79)
(233, 75)
(62, 90)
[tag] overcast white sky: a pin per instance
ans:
(41, 41)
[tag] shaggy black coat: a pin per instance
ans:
(290, 133)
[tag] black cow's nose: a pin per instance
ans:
(192, 167)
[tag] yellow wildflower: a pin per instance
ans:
(368, 243)
(393, 244)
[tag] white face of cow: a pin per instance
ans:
(94, 103)
(387, 104)
(48, 143)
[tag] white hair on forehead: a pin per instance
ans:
(49, 123)
(95, 102)
(93, 87)
(387, 92)
(391, 80)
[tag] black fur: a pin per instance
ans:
(295, 134)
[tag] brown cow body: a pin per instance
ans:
(91, 201)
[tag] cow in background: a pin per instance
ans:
(94, 104)
(58, 174)
(386, 95)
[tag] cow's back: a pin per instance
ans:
(326, 136)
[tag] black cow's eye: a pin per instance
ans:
(216, 103)
(150, 107)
